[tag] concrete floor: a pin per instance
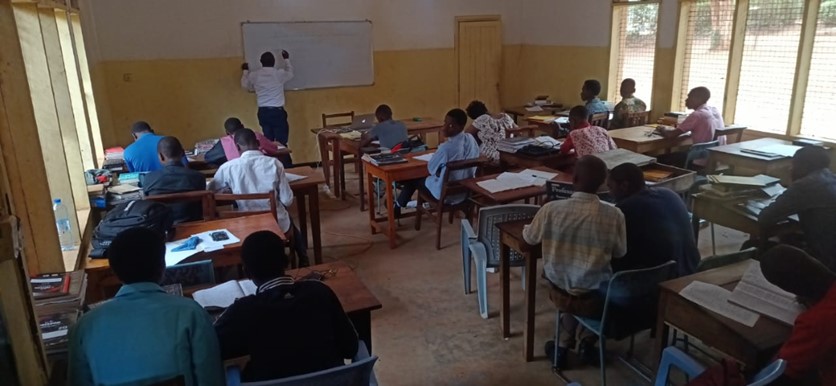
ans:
(429, 332)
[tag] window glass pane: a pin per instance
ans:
(707, 49)
(770, 51)
(636, 27)
(821, 87)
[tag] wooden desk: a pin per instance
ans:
(306, 192)
(410, 170)
(747, 164)
(486, 198)
(753, 346)
(357, 301)
(555, 160)
(520, 111)
(102, 280)
(723, 212)
(511, 238)
(328, 136)
(636, 139)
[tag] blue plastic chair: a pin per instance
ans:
(483, 248)
(360, 372)
(629, 307)
(674, 357)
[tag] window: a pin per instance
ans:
(633, 47)
(821, 84)
(767, 72)
(706, 54)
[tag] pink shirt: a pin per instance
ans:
(231, 151)
(702, 124)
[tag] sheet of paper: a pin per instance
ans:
(173, 258)
(294, 177)
(617, 157)
(424, 157)
(534, 109)
(538, 174)
(221, 295)
(716, 299)
(562, 120)
(756, 293)
(248, 287)
(784, 150)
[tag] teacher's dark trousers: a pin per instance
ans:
(273, 122)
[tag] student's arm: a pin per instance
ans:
(568, 145)
(470, 129)
(283, 187)
(286, 74)
(206, 354)
(267, 146)
(219, 181)
(685, 127)
(787, 204)
(620, 247)
(215, 155)
(368, 137)
(246, 82)
(230, 333)
(438, 160)
(79, 367)
(129, 164)
(346, 335)
(533, 233)
(804, 349)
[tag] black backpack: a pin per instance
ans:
(139, 213)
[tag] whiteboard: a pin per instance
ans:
(323, 54)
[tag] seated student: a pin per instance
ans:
(488, 129)
(143, 335)
(629, 104)
(225, 149)
(389, 132)
(580, 237)
(584, 138)
(141, 156)
(288, 327)
(658, 223)
(702, 123)
(255, 172)
(458, 146)
(589, 95)
(810, 351)
(812, 196)
(175, 178)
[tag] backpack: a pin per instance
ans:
(139, 213)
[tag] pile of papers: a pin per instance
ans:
(543, 118)
(58, 301)
(736, 186)
(773, 151)
(510, 181)
(617, 157)
(512, 145)
(114, 159)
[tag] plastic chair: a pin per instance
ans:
(483, 249)
(629, 307)
(360, 372)
(674, 357)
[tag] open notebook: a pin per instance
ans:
(755, 293)
(223, 295)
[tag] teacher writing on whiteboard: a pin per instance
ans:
(268, 85)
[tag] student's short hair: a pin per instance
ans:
(459, 116)
(137, 255)
(141, 127)
(245, 137)
(590, 172)
(579, 112)
(593, 86)
(812, 158)
(171, 148)
(263, 255)
(267, 59)
(232, 124)
(383, 111)
(630, 173)
(629, 81)
(701, 92)
(476, 109)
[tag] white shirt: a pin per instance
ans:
(252, 173)
(268, 84)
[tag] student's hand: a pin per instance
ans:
(245, 67)
(285, 54)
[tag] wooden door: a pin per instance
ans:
(479, 50)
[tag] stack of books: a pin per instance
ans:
(114, 159)
(384, 159)
(512, 145)
(729, 187)
(59, 298)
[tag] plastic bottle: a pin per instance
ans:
(62, 222)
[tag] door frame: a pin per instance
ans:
(472, 18)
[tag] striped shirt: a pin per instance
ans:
(580, 236)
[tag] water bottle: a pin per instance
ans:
(62, 222)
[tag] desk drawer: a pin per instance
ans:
(679, 181)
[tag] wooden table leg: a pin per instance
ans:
(336, 163)
(302, 208)
(325, 162)
(504, 283)
(361, 185)
(316, 230)
(390, 213)
(530, 293)
(661, 327)
(372, 218)
(362, 322)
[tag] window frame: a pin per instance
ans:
(615, 49)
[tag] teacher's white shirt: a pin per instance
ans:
(268, 84)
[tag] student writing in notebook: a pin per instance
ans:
(288, 327)
(225, 149)
(143, 336)
(389, 132)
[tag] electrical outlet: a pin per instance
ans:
(127, 77)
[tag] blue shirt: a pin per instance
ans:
(142, 156)
(390, 133)
(145, 335)
(595, 106)
(456, 148)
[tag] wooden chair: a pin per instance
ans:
(636, 119)
(600, 119)
(347, 118)
(224, 198)
(206, 198)
(448, 189)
